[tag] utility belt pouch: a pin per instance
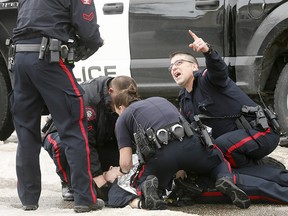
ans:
(11, 53)
(43, 47)
(242, 123)
(201, 129)
(257, 112)
(54, 48)
(11, 57)
(186, 126)
(145, 150)
(273, 120)
(152, 137)
(71, 56)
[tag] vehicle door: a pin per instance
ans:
(113, 58)
(159, 27)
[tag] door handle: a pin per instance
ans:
(113, 8)
(207, 4)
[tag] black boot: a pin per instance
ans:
(237, 196)
(87, 208)
(151, 200)
(271, 162)
(67, 192)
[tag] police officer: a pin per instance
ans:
(212, 94)
(176, 153)
(43, 75)
(98, 100)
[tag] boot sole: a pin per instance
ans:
(152, 200)
(239, 198)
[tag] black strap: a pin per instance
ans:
(27, 48)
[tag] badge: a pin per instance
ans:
(86, 2)
(91, 114)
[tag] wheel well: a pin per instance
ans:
(275, 57)
(5, 73)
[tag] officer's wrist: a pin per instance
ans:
(123, 171)
(208, 53)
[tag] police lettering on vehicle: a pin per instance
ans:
(94, 72)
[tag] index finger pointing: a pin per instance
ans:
(194, 36)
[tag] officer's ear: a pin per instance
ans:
(195, 67)
(119, 110)
(110, 91)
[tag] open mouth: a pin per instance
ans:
(177, 74)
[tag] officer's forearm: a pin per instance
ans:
(125, 159)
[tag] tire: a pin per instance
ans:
(281, 99)
(6, 123)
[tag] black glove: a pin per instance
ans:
(82, 52)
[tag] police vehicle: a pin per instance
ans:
(139, 35)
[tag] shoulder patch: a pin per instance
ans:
(86, 2)
(91, 113)
(88, 17)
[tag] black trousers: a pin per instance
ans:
(262, 183)
(189, 154)
(108, 156)
(38, 82)
(244, 147)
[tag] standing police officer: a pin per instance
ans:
(244, 138)
(179, 151)
(43, 75)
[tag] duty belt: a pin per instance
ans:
(27, 47)
(51, 46)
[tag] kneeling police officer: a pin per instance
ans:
(186, 152)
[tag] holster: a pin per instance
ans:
(11, 54)
(260, 119)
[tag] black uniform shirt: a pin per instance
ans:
(214, 94)
(101, 119)
(60, 19)
(154, 112)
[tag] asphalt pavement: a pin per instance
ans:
(51, 202)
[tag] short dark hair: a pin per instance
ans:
(184, 53)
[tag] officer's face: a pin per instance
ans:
(181, 68)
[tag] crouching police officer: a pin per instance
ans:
(179, 151)
(98, 100)
(43, 75)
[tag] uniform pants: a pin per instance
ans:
(56, 150)
(38, 82)
(108, 156)
(244, 147)
(189, 154)
(118, 197)
(262, 183)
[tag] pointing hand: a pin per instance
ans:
(198, 45)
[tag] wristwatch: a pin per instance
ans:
(121, 171)
(209, 50)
